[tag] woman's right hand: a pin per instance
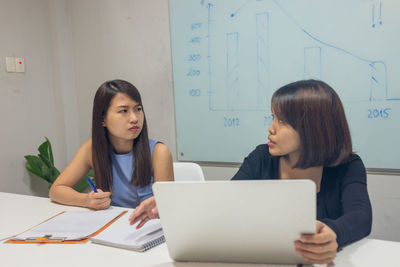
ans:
(318, 248)
(98, 201)
(146, 211)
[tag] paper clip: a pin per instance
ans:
(45, 239)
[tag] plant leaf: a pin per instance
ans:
(45, 167)
(42, 165)
(44, 149)
(45, 160)
(50, 152)
(91, 173)
(82, 185)
(36, 166)
(33, 165)
(53, 174)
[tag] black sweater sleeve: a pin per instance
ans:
(356, 219)
(255, 166)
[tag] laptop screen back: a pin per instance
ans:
(236, 221)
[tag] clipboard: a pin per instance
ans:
(51, 239)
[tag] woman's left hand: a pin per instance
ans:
(146, 211)
(318, 248)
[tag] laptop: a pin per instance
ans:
(236, 221)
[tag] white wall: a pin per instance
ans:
(384, 192)
(127, 40)
(72, 46)
(29, 102)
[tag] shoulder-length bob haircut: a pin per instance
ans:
(101, 146)
(314, 110)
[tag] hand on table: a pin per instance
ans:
(319, 248)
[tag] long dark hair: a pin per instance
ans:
(315, 111)
(101, 146)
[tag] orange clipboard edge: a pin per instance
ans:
(41, 240)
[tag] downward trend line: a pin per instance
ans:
(317, 39)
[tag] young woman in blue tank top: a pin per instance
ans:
(125, 161)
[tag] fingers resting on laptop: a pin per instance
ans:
(318, 248)
(146, 211)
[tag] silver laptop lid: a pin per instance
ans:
(236, 221)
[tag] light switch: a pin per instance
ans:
(10, 64)
(19, 64)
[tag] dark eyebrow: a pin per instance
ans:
(126, 106)
(123, 106)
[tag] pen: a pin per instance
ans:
(91, 184)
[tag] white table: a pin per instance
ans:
(20, 212)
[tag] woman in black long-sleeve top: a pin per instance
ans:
(309, 138)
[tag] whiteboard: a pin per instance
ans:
(230, 56)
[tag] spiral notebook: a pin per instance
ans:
(128, 237)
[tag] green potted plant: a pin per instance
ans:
(42, 166)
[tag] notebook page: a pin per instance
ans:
(127, 236)
(72, 225)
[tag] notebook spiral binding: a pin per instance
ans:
(153, 243)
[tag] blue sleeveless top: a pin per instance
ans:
(126, 194)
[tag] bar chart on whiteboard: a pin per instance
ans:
(229, 57)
